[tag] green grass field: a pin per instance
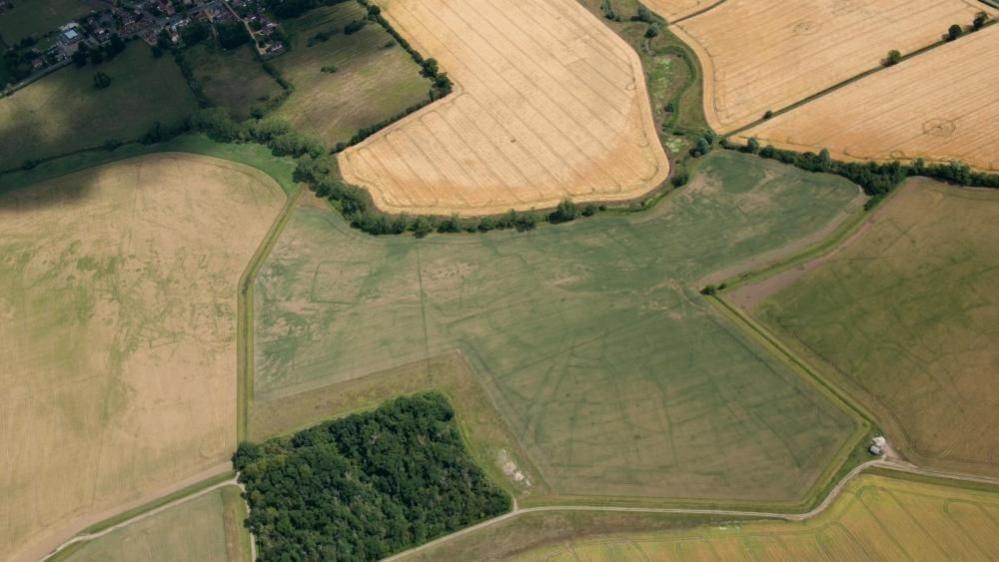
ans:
(906, 317)
(234, 80)
(64, 112)
(206, 528)
(878, 517)
(617, 378)
(37, 17)
(373, 81)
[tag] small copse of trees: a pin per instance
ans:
(365, 486)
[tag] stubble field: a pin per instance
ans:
(906, 317)
(118, 336)
(617, 378)
(375, 78)
(877, 517)
(766, 55)
(208, 528)
(940, 106)
(548, 104)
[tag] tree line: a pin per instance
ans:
(440, 84)
(875, 178)
(365, 486)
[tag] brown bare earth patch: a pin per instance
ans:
(762, 55)
(938, 106)
(118, 293)
(548, 103)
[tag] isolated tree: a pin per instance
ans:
(652, 31)
(608, 11)
(565, 212)
(894, 57)
(701, 148)
(422, 227)
(981, 18)
(80, 57)
(101, 80)
(954, 32)
(430, 68)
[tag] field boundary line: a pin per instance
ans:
(761, 333)
(865, 423)
(894, 469)
(143, 511)
(879, 465)
(86, 537)
(693, 15)
(840, 85)
(245, 319)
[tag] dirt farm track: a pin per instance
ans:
(764, 55)
(549, 103)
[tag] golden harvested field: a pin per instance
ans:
(118, 293)
(876, 518)
(761, 55)
(549, 103)
(938, 106)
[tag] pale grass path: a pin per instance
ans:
(885, 463)
(64, 538)
(145, 515)
(91, 536)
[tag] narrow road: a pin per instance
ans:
(144, 515)
(890, 464)
(824, 505)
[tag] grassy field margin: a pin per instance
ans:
(182, 494)
(244, 317)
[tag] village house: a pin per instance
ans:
(70, 37)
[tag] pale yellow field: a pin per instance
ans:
(673, 10)
(118, 294)
(549, 103)
(876, 518)
(761, 55)
(938, 106)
